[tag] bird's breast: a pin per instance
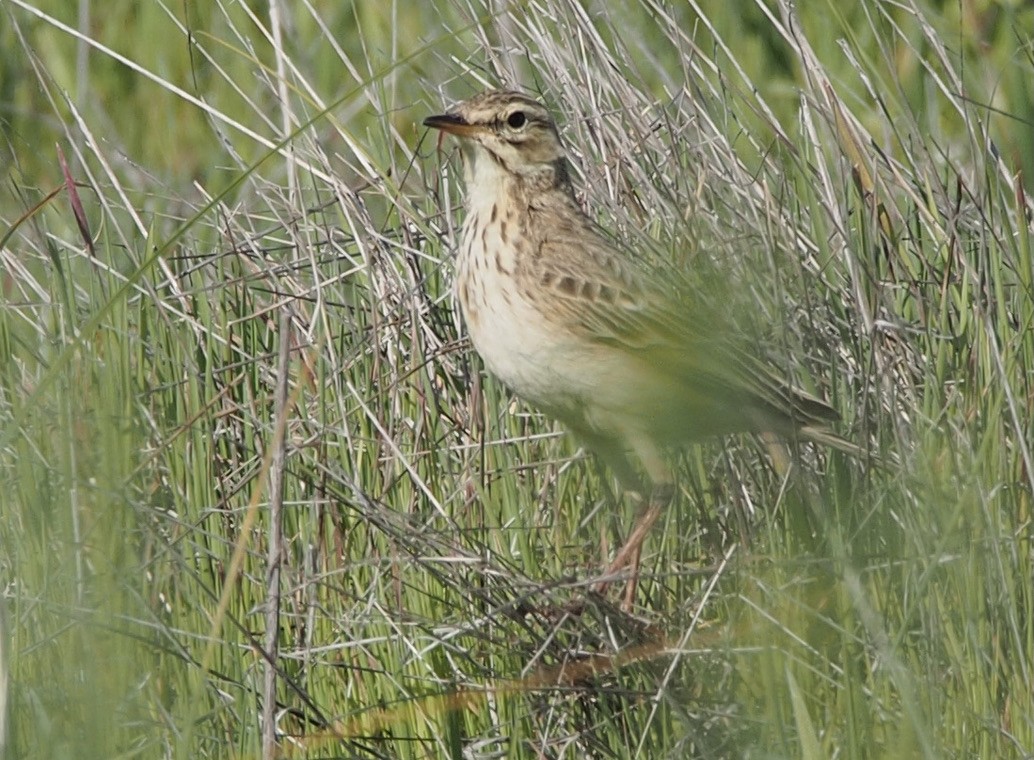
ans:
(518, 340)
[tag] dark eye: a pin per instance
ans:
(516, 120)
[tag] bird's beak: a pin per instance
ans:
(453, 124)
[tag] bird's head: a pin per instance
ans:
(507, 129)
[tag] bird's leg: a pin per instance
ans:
(628, 556)
(661, 493)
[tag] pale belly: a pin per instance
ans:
(520, 348)
(595, 390)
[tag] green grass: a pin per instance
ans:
(850, 182)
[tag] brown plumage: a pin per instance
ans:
(565, 318)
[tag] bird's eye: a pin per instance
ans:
(516, 120)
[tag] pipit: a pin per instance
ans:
(563, 316)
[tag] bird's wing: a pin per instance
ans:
(602, 295)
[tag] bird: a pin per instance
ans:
(573, 324)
